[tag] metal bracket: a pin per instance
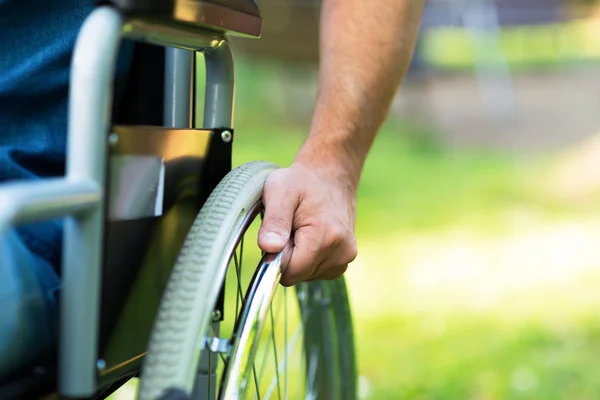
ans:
(219, 345)
(218, 165)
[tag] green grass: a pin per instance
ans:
(477, 358)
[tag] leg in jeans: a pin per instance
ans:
(28, 284)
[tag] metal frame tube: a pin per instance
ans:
(219, 101)
(182, 36)
(178, 88)
(220, 86)
(92, 73)
(50, 198)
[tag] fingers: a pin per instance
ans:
(321, 216)
(280, 204)
(319, 253)
(306, 257)
(288, 251)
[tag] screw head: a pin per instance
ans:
(113, 139)
(226, 136)
(216, 315)
(101, 365)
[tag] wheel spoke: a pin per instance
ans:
(288, 352)
(238, 272)
(241, 253)
(257, 390)
(285, 344)
(264, 360)
(275, 351)
(305, 314)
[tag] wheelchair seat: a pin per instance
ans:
(235, 17)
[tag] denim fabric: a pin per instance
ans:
(36, 43)
(28, 286)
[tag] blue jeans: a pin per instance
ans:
(37, 38)
(28, 304)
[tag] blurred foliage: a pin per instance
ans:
(409, 173)
(584, 2)
(555, 45)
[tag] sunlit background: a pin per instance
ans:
(478, 274)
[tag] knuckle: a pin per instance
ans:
(335, 234)
(347, 252)
(351, 250)
(342, 238)
(276, 184)
(276, 176)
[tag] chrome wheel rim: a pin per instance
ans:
(265, 355)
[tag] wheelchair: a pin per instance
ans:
(153, 284)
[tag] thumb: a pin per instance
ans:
(276, 227)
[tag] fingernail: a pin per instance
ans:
(273, 238)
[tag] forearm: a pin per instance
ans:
(366, 48)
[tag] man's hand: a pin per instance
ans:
(365, 50)
(314, 211)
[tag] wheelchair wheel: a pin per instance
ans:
(254, 339)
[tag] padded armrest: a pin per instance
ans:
(156, 8)
(162, 7)
(245, 6)
(240, 17)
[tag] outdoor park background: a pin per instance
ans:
(478, 227)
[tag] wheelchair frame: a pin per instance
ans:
(81, 195)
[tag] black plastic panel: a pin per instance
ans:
(141, 253)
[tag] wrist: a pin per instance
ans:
(332, 160)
